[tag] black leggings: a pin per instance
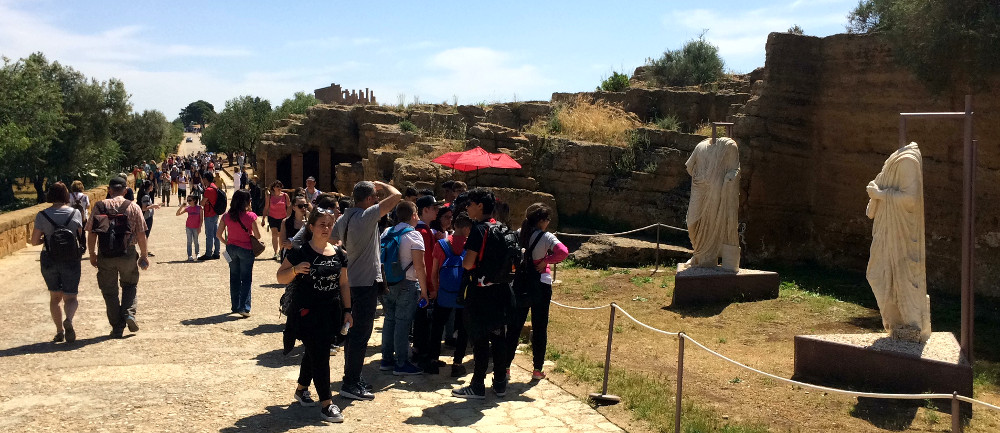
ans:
(439, 319)
(315, 367)
(490, 343)
(539, 326)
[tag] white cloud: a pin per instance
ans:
(478, 74)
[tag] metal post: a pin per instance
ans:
(956, 414)
(680, 382)
(657, 248)
(968, 230)
(604, 397)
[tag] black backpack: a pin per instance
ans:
(112, 228)
(527, 279)
(219, 205)
(502, 250)
(63, 245)
(76, 204)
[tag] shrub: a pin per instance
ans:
(407, 126)
(697, 63)
(598, 121)
(796, 30)
(669, 123)
(615, 83)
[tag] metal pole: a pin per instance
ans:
(657, 248)
(956, 414)
(968, 227)
(680, 382)
(604, 397)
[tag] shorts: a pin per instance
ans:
(182, 193)
(274, 223)
(61, 277)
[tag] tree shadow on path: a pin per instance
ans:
(50, 347)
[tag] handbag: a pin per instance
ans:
(255, 244)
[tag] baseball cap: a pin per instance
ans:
(117, 181)
(310, 178)
(427, 201)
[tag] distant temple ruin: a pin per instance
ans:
(334, 94)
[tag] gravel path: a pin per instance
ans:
(193, 368)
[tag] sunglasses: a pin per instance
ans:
(302, 206)
(327, 211)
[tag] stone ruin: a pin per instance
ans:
(811, 127)
(334, 94)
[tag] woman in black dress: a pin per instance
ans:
(322, 296)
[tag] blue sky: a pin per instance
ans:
(172, 53)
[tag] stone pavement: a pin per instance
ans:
(192, 367)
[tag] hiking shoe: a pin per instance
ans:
(387, 365)
(70, 332)
(500, 387)
(331, 413)
(302, 396)
(537, 375)
(132, 326)
(470, 392)
(59, 337)
(356, 392)
(457, 370)
(407, 369)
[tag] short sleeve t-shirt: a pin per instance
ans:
(60, 216)
(238, 236)
(146, 200)
(407, 244)
(194, 217)
(321, 286)
(545, 246)
(457, 245)
(476, 236)
(361, 244)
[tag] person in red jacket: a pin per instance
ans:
(427, 208)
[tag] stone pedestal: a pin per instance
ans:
(700, 286)
(876, 363)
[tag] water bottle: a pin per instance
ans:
(422, 303)
(345, 328)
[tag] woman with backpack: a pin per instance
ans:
(542, 249)
(60, 228)
(234, 232)
(322, 296)
(78, 200)
(277, 209)
(447, 275)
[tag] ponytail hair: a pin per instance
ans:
(535, 213)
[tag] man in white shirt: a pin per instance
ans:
(237, 179)
(311, 192)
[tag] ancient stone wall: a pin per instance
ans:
(16, 226)
(334, 94)
(691, 107)
(819, 126)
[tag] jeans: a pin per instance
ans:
(192, 239)
(315, 367)
(211, 241)
(400, 304)
(364, 300)
(111, 271)
(439, 319)
(240, 277)
(539, 326)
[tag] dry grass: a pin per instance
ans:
(599, 122)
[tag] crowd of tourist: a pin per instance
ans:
(442, 269)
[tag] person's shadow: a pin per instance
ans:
(464, 413)
(278, 419)
(50, 347)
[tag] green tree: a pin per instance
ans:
(796, 30)
(942, 42)
(239, 127)
(148, 136)
(698, 62)
(31, 116)
(617, 82)
(297, 104)
(200, 112)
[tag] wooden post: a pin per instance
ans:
(680, 382)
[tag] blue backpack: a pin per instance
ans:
(389, 244)
(450, 278)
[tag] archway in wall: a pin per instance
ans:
(284, 171)
(310, 167)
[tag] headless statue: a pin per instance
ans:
(712, 217)
(897, 269)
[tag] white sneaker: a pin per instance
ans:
(331, 413)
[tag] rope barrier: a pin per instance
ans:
(581, 235)
(580, 308)
(826, 389)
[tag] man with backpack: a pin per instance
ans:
(60, 229)
(447, 276)
(118, 226)
(427, 207)
(403, 259)
(214, 202)
(487, 294)
(358, 228)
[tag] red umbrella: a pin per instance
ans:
(476, 159)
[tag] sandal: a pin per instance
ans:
(58, 338)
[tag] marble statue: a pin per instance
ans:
(897, 269)
(712, 217)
